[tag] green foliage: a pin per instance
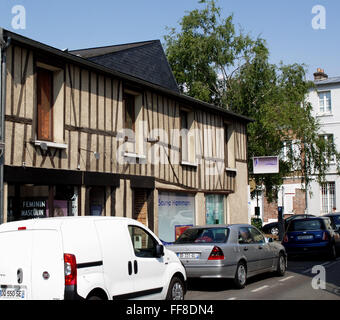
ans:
(214, 63)
(256, 222)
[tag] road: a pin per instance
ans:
(296, 284)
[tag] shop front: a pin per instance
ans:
(41, 193)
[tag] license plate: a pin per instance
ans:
(13, 292)
(305, 237)
(188, 255)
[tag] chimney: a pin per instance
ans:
(320, 75)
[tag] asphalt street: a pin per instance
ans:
(305, 279)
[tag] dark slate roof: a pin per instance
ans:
(144, 60)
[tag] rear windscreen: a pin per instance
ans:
(203, 235)
(304, 225)
(337, 220)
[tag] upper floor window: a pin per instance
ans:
(328, 153)
(188, 150)
(325, 103)
(44, 99)
(129, 101)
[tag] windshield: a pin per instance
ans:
(304, 225)
(203, 235)
(336, 220)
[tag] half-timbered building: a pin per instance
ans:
(105, 131)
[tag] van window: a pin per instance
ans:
(143, 243)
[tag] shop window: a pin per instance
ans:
(41, 201)
(214, 206)
(95, 201)
(176, 213)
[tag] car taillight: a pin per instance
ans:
(216, 254)
(70, 267)
(325, 236)
(285, 238)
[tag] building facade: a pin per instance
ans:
(91, 132)
(325, 100)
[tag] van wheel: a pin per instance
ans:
(176, 289)
(240, 278)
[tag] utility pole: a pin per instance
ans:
(3, 47)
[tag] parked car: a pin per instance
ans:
(273, 227)
(311, 235)
(86, 258)
(228, 251)
(335, 220)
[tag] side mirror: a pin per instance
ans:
(159, 250)
(269, 240)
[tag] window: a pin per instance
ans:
(244, 236)
(325, 104)
(291, 152)
(44, 99)
(328, 197)
(226, 139)
(188, 151)
(133, 124)
(50, 94)
(129, 102)
(203, 235)
(143, 243)
(257, 235)
(328, 154)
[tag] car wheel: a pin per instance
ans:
(240, 278)
(176, 289)
(281, 265)
(332, 252)
(274, 231)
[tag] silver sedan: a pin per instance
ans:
(235, 251)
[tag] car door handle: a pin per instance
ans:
(260, 247)
(135, 266)
(245, 249)
(130, 268)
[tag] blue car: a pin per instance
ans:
(311, 235)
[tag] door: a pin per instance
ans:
(15, 265)
(249, 249)
(148, 270)
(264, 253)
(117, 258)
(47, 265)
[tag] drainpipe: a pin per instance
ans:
(3, 46)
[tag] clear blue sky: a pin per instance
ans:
(286, 25)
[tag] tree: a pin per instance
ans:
(213, 63)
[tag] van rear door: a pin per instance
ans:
(31, 265)
(15, 265)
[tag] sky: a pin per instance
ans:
(286, 25)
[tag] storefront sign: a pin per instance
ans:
(263, 165)
(33, 208)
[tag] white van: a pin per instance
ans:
(86, 258)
